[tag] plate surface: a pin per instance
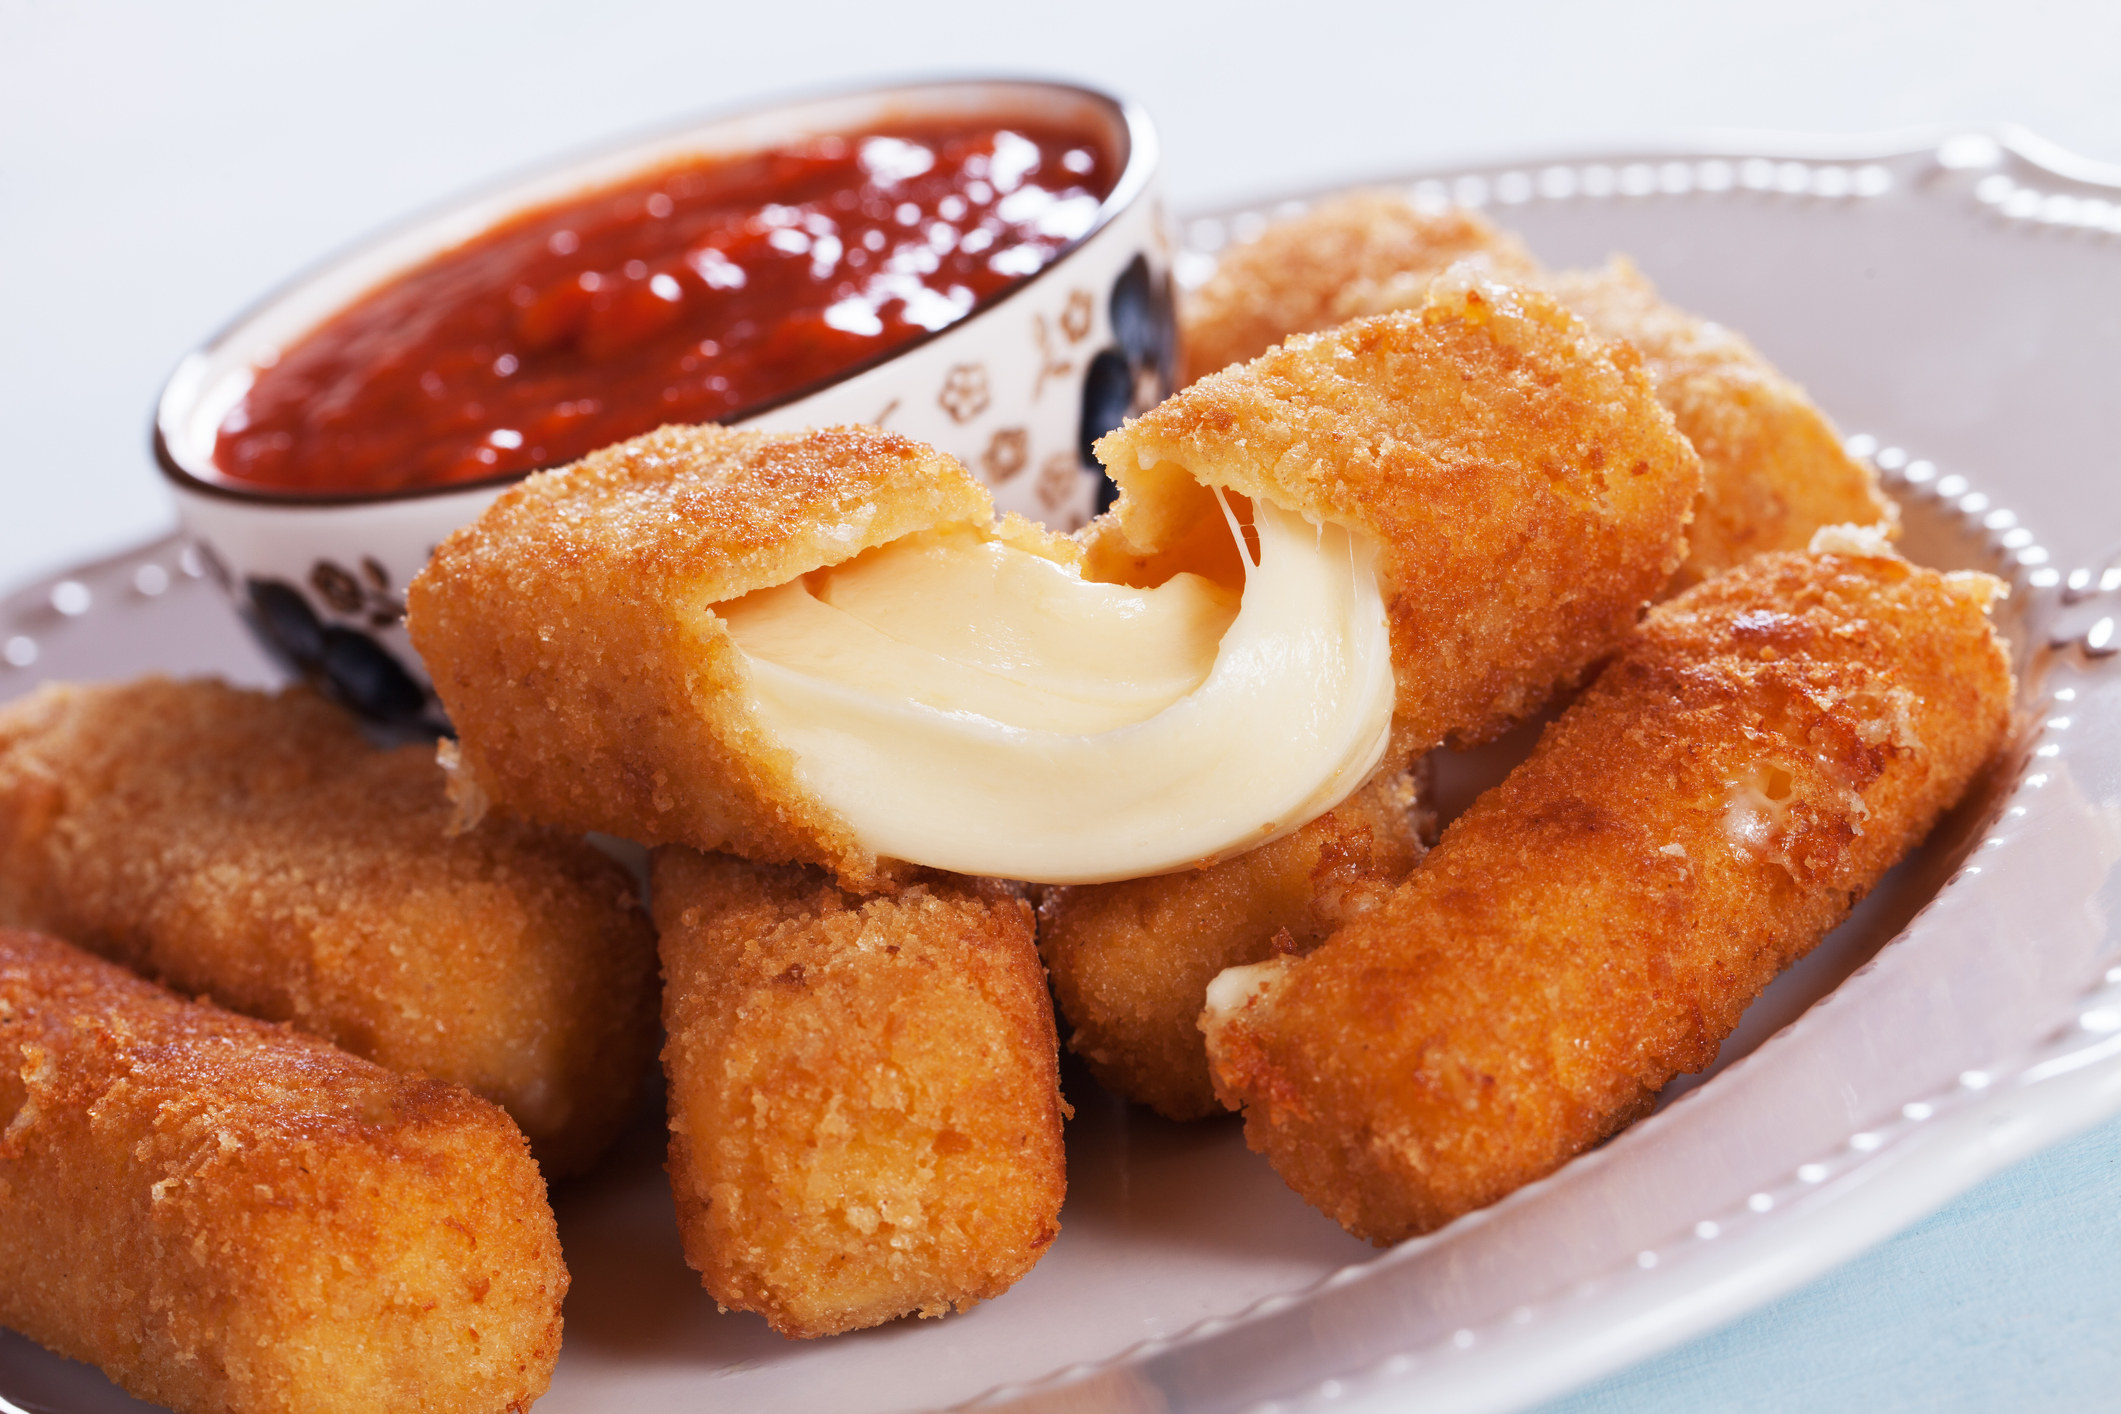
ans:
(1952, 306)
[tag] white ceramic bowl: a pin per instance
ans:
(1015, 390)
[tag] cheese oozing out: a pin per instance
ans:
(969, 705)
(1233, 989)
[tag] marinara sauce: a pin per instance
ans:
(690, 294)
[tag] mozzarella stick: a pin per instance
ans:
(571, 635)
(821, 647)
(865, 1112)
(1131, 962)
(228, 1217)
(1773, 467)
(1770, 743)
(1363, 253)
(1487, 430)
(256, 849)
(1527, 493)
(1774, 470)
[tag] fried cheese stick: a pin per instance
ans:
(1773, 472)
(1487, 430)
(1773, 468)
(1131, 961)
(569, 635)
(257, 849)
(229, 1217)
(865, 1110)
(584, 632)
(1771, 742)
(1363, 253)
(1528, 493)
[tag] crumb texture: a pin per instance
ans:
(1773, 467)
(1769, 744)
(570, 635)
(256, 849)
(1363, 253)
(1131, 961)
(865, 1109)
(1487, 428)
(228, 1216)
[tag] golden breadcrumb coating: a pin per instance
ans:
(1527, 491)
(1487, 429)
(1131, 961)
(865, 1112)
(569, 635)
(257, 849)
(1770, 744)
(231, 1218)
(1773, 468)
(1362, 253)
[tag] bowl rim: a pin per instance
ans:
(1139, 156)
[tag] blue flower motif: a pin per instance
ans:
(1136, 372)
(343, 663)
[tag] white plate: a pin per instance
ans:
(1953, 300)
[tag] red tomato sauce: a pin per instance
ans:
(691, 294)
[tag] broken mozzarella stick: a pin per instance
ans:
(230, 1218)
(865, 1112)
(255, 848)
(1525, 492)
(1771, 742)
(1488, 430)
(822, 647)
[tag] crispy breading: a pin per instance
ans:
(1770, 743)
(231, 1218)
(1773, 468)
(1528, 492)
(1488, 429)
(865, 1109)
(257, 849)
(569, 635)
(1362, 253)
(1131, 961)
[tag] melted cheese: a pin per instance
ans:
(961, 622)
(1233, 989)
(971, 706)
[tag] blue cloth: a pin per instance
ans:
(2008, 1299)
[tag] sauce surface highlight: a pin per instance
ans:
(691, 294)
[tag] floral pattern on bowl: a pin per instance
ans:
(1012, 390)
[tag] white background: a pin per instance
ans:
(163, 165)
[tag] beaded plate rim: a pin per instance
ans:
(1961, 1134)
(1878, 1180)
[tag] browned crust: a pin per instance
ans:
(569, 635)
(256, 849)
(1529, 493)
(1131, 961)
(865, 1110)
(1358, 254)
(1773, 468)
(1550, 965)
(226, 1216)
